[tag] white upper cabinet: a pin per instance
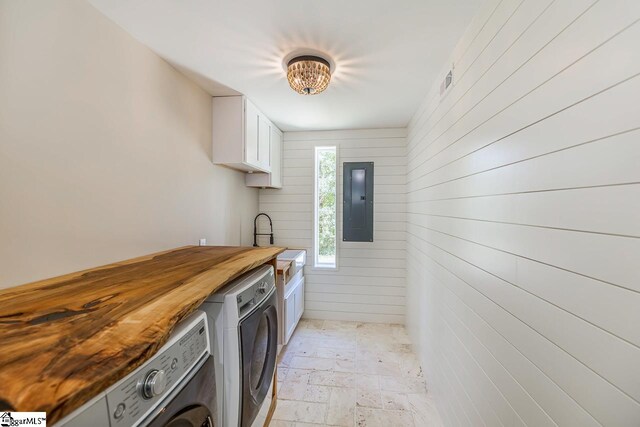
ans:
(272, 179)
(264, 143)
(251, 134)
(241, 135)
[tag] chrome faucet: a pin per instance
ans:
(255, 230)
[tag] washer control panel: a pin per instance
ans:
(253, 295)
(141, 391)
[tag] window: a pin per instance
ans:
(325, 207)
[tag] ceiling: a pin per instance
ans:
(387, 54)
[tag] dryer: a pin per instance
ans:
(244, 325)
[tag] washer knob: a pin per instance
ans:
(262, 288)
(119, 412)
(154, 383)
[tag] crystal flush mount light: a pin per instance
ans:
(308, 75)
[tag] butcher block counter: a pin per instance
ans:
(66, 339)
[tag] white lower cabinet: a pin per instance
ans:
(289, 316)
(299, 298)
(293, 308)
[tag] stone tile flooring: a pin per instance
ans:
(351, 374)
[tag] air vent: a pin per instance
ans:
(446, 83)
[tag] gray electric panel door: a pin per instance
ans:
(357, 194)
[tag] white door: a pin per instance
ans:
(252, 125)
(299, 292)
(289, 315)
(264, 143)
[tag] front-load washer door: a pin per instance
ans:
(259, 343)
(195, 416)
(193, 405)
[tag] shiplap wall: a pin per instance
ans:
(369, 284)
(523, 219)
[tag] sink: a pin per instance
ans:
(298, 258)
(291, 254)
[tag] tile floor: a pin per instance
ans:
(351, 374)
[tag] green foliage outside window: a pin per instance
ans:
(327, 206)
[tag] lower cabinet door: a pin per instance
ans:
(289, 315)
(299, 292)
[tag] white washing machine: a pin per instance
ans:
(176, 387)
(244, 324)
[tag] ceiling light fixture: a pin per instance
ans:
(308, 75)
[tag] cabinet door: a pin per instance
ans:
(289, 316)
(252, 126)
(276, 158)
(264, 143)
(299, 293)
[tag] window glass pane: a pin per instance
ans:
(325, 207)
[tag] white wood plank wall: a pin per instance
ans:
(523, 219)
(369, 284)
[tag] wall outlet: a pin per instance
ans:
(202, 242)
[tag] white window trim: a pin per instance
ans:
(316, 250)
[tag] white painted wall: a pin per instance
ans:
(369, 283)
(105, 149)
(523, 195)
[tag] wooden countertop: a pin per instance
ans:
(66, 339)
